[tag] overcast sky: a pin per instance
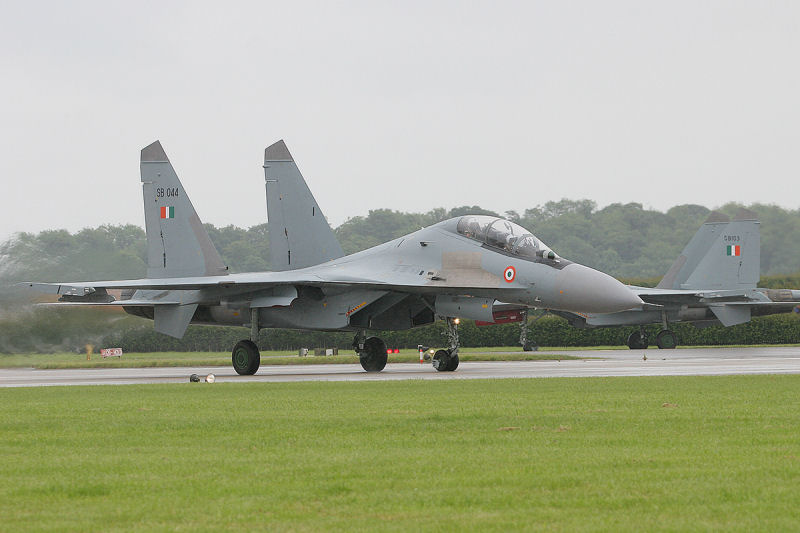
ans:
(404, 105)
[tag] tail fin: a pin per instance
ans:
(723, 254)
(299, 235)
(177, 243)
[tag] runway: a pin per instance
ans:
(684, 362)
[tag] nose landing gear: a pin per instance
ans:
(447, 360)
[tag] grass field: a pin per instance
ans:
(686, 453)
(161, 359)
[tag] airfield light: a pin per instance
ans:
(210, 378)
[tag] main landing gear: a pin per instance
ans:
(245, 356)
(371, 352)
(447, 360)
(665, 340)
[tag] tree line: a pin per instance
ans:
(628, 241)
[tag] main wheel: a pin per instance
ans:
(246, 358)
(373, 358)
(666, 340)
(637, 342)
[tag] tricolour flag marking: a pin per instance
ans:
(734, 250)
(167, 211)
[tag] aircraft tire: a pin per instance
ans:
(442, 360)
(637, 342)
(373, 358)
(453, 363)
(666, 340)
(246, 358)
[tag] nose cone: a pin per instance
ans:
(583, 289)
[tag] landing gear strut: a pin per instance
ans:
(447, 360)
(371, 352)
(245, 356)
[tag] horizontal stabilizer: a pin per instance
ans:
(59, 288)
(173, 319)
(730, 315)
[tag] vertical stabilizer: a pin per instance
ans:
(177, 243)
(299, 235)
(723, 254)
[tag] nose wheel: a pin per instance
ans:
(444, 361)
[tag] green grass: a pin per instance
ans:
(622, 454)
(162, 359)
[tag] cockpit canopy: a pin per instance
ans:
(505, 235)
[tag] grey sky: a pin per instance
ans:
(402, 105)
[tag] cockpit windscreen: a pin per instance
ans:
(503, 234)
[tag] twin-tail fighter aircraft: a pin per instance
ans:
(713, 281)
(456, 268)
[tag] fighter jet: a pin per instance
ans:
(713, 281)
(457, 268)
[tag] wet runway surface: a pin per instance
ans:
(686, 362)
